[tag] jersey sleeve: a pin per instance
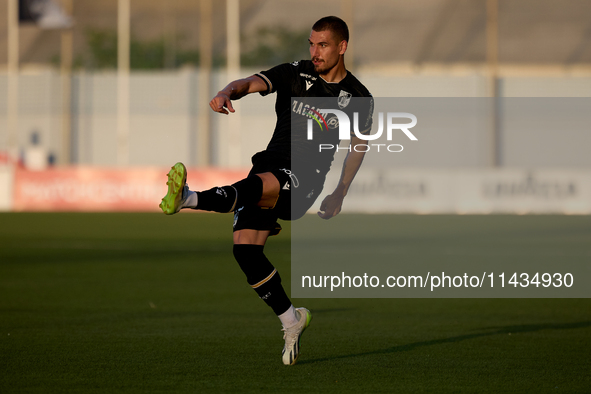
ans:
(278, 78)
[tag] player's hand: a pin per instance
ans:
(221, 103)
(331, 206)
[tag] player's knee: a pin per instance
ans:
(270, 184)
(248, 191)
(254, 263)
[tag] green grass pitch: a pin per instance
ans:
(108, 303)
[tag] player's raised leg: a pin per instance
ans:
(178, 191)
(256, 190)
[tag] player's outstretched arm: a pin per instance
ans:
(331, 205)
(235, 90)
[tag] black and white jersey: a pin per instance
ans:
(294, 82)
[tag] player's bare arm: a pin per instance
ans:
(235, 90)
(331, 205)
(222, 103)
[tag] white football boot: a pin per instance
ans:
(292, 336)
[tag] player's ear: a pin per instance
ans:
(343, 47)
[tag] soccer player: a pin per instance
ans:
(272, 190)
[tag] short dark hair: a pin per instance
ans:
(336, 25)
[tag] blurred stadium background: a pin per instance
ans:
(91, 87)
(92, 91)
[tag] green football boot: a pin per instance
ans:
(177, 183)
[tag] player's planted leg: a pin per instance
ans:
(293, 335)
(265, 280)
(262, 276)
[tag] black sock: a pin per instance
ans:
(262, 276)
(227, 198)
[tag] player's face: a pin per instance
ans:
(325, 51)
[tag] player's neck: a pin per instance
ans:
(335, 74)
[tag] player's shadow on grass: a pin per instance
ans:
(525, 328)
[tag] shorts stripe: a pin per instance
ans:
(264, 280)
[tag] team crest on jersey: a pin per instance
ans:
(344, 98)
(295, 63)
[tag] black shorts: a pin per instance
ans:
(298, 191)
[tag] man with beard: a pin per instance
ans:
(272, 190)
